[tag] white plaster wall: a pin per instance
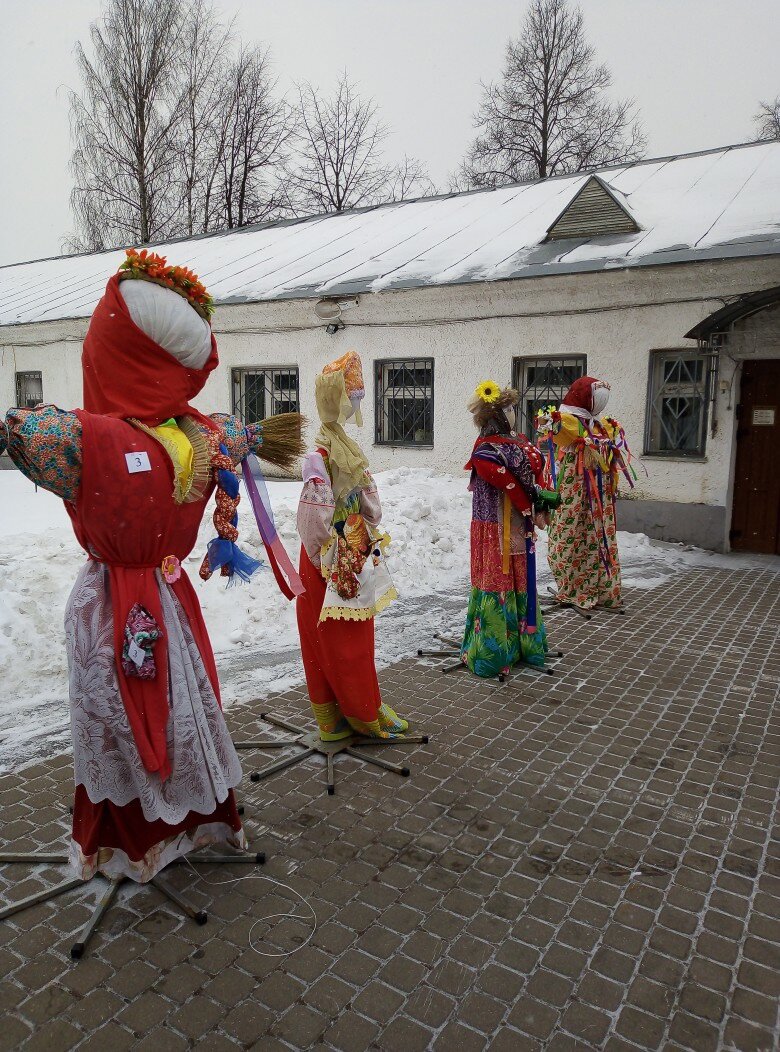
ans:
(473, 332)
(615, 319)
(51, 348)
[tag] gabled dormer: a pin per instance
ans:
(594, 210)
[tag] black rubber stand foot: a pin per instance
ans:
(201, 917)
(77, 951)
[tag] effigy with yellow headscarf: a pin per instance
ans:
(342, 566)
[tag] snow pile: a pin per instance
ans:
(252, 626)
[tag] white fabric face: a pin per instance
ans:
(355, 402)
(169, 320)
(600, 399)
(511, 416)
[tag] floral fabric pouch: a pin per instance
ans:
(141, 633)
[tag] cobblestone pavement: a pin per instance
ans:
(591, 861)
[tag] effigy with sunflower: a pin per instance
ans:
(510, 499)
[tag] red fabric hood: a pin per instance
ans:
(580, 393)
(126, 374)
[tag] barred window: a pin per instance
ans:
(404, 402)
(677, 404)
(258, 393)
(542, 381)
(29, 390)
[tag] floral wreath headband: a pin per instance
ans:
(151, 267)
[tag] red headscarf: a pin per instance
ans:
(580, 394)
(126, 374)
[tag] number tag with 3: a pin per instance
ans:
(137, 462)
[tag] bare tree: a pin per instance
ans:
(204, 69)
(767, 120)
(254, 130)
(549, 114)
(408, 179)
(339, 163)
(125, 125)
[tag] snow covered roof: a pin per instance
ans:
(711, 205)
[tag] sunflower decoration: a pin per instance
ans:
(488, 391)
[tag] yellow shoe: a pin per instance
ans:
(341, 730)
(330, 723)
(391, 721)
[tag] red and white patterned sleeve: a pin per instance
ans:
(316, 506)
(370, 505)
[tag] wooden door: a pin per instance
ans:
(755, 520)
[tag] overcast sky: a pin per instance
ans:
(697, 68)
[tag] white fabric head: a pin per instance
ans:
(600, 398)
(169, 320)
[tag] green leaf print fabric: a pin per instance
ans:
(495, 637)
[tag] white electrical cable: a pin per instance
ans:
(271, 916)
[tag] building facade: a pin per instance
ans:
(680, 336)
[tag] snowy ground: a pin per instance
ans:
(252, 627)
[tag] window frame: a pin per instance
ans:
(658, 355)
(18, 375)
(379, 412)
(237, 380)
(519, 365)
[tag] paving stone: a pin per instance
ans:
(13, 1033)
(457, 1036)
(351, 1033)
(585, 1022)
(742, 1035)
(161, 1037)
(329, 995)
(300, 1026)
(694, 1033)
(55, 1036)
(248, 1021)
(197, 1018)
(590, 867)
(109, 1037)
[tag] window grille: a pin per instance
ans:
(542, 381)
(29, 389)
(258, 393)
(677, 404)
(403, 396)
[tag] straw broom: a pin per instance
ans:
(283, 440)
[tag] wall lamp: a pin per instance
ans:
(330, 310)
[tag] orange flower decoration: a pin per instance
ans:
(149, 265)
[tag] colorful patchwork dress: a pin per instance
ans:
(347, 583)
(587, 457)
(154, 775)
(504, 623)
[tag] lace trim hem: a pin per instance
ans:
(165, 811)
(350, 613)
(114, 863)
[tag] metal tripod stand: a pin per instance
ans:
(566, 604)
(312, 745)
(113, 885)
(453, 649)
